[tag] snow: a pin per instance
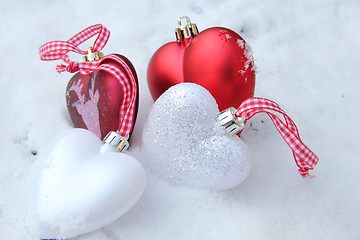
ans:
(307, 57)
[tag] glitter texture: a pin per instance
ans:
(183, 143)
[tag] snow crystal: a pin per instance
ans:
(225, 35)
(250, 57)
(241, 43)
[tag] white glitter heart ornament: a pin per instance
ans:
(183, 141)
(83, 185)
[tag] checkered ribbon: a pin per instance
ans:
(305, 159)
(56, 50)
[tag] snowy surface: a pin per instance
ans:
(307, 55)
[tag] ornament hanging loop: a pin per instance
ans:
(56, 50)
(187, 30)
(91, 56)
(187, 19)
(305, 159)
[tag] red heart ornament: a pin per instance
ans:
(217, 58)
(93, 101)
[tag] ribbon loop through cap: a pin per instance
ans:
(305, 159)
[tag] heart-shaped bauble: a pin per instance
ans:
(217, 58)
(83, 185)
(94, 100)
(184, 143)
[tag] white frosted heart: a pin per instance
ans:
(184, 143)
(83, 185)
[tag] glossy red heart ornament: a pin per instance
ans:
(217, 58)
(94, 100)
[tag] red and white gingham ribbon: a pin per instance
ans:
(305, 159)
(58, 50)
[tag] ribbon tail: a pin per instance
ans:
(305, 159)
(60, 68)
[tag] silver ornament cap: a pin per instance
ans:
(231, 123)
(117, 141)
(91, 56)
(185, 30)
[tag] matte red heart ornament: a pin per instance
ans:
(217, 58)
(93, 101)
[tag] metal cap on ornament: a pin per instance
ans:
(117, 141)
(232, 124)
(187, 30)
(91, 56)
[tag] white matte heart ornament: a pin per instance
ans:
(83, 185)
(184, 143)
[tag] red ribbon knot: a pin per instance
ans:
(72, 67)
